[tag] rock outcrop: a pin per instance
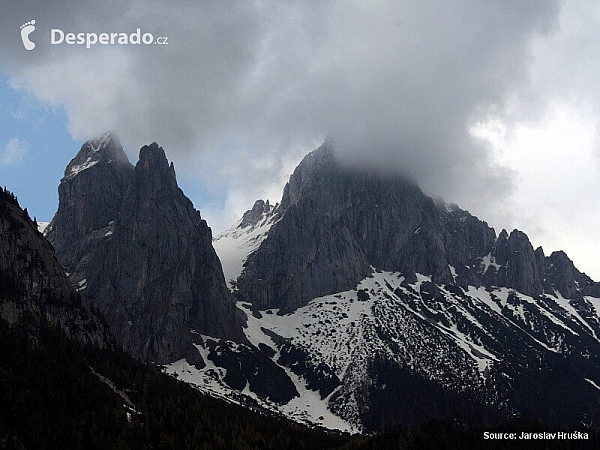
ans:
(335, 223)
(90, 193)
(33, 285)
(253, 215)
(146, 262)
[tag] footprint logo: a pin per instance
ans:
(26, 29)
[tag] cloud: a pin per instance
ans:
(14, 152)
(395, 84)
(244, 89)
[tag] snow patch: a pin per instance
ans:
(566, 305)
(42, 226)
(81, 285)
(234, 245)
(76, 169)
(488, 261)
(309, 408)
(595, 302)
(453, 272)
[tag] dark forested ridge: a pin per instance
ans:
(52, 397)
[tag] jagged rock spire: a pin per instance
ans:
(140, 252)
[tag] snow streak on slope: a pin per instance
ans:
(595, 302)
(307, 408)
(89, 162)
(466, 341)
(235, 244)
(208, 380)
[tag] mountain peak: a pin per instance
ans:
(252, 216)
(322, 155)
(140, 220)
(105, 148)
(109, 139)
(153, 159)
(152, 152)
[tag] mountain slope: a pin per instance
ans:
(243, 238)
(336, 222)
(33, 285)
(60, 389)
(384, 307)
(145, 258)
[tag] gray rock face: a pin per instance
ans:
(150, 268)
(519, 265)
(559, 273)
(100, 174)
(252, 216)
(337, 222)
(33, 285)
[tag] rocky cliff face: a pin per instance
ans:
(336, 223)
(100, 173)
(34, 285)
(253, 216)
(385, 307)
(144, 259)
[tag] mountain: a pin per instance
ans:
(245, 236)
(138, 251)
(33, 285)
(100, 174)
(64, 385)
(336, 223)
(360, 302)
(386, 307)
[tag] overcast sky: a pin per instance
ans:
(491, 105)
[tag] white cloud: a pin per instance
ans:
(242, 85)
(244, 88)
(14, 152)
(557, 175)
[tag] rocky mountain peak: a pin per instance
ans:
(335, 224)
(153, 160)
(90, 195)
(105, 149)
(142, 255)
(522, 270)
(154, 177)
(108, 139)
(306, 175)
(253, 216)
